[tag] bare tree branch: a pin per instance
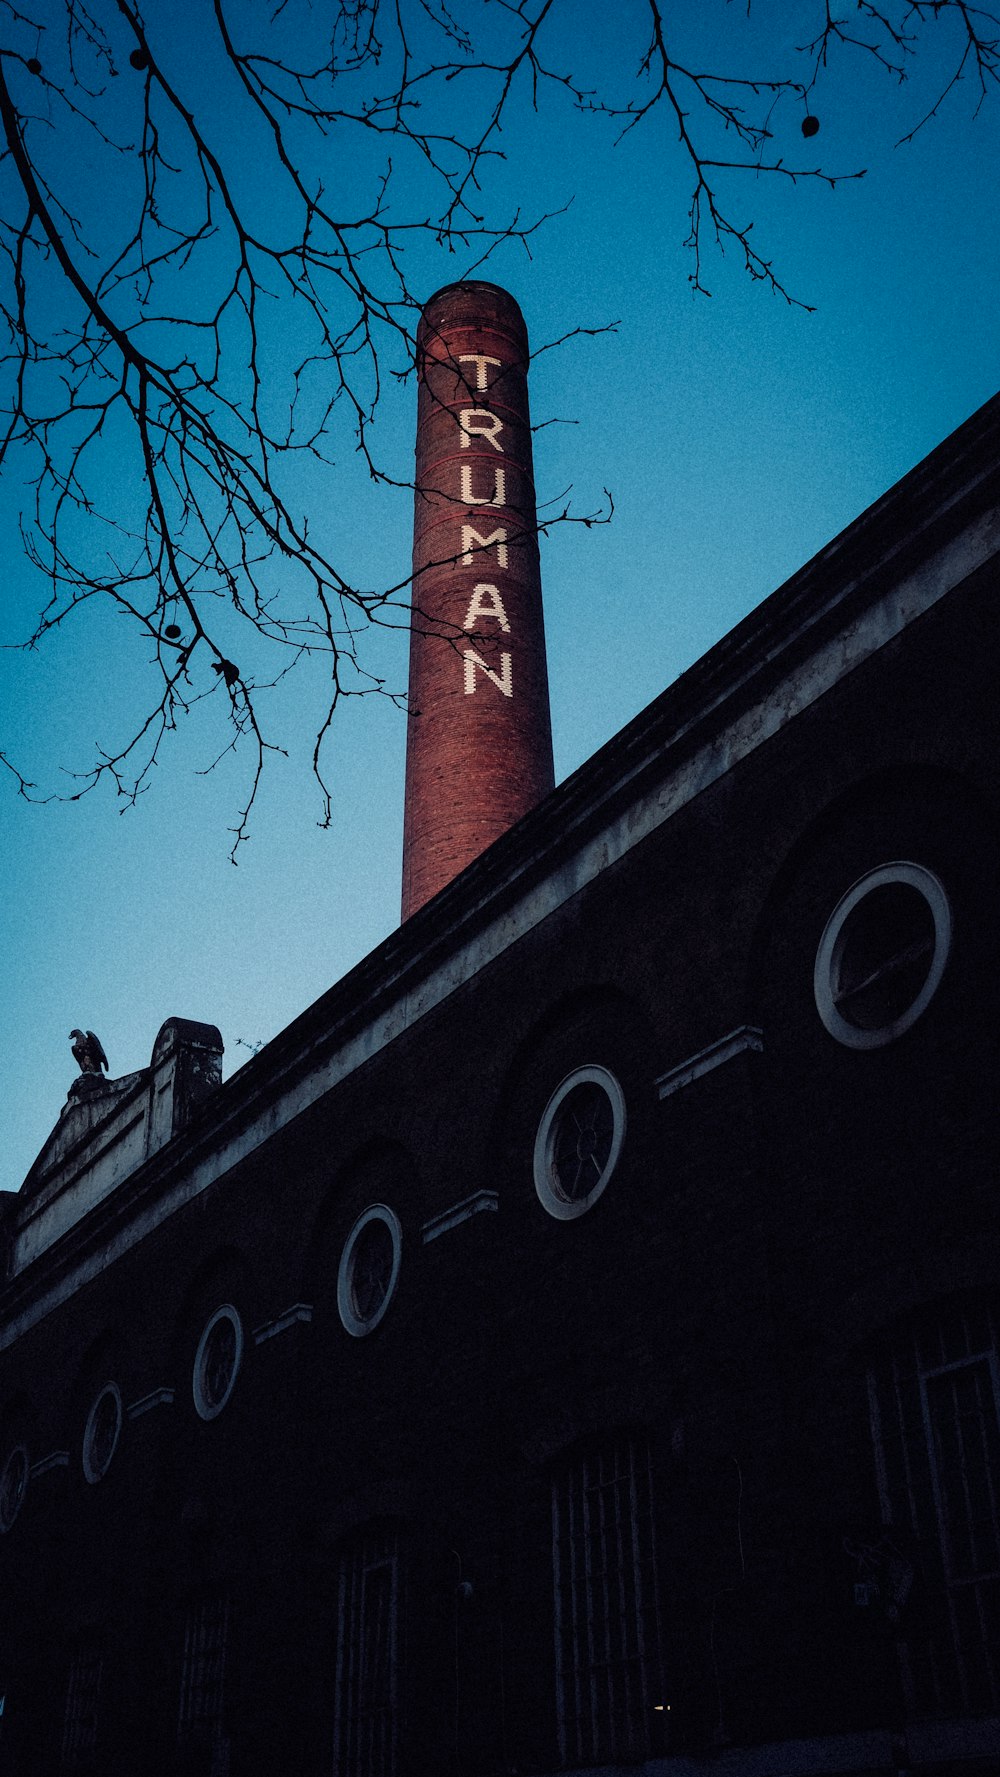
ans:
(204, 285)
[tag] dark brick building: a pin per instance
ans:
(572, 1342)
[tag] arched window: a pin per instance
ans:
(369, 1654)
(201, 1731)
(608, 1642)
(81, 1718)
(934, 1396)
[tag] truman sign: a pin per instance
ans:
(479, 747)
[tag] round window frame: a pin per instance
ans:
(563, 1208)
(21, 1450)
(351, 1320)
(910, 875)
(205, 1408)
(90, 1469)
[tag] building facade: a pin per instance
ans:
(572, 1343)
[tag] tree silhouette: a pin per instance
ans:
(203, 234)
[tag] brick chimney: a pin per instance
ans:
(479, 740)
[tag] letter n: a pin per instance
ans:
(502, 680)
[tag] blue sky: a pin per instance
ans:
(737, 435)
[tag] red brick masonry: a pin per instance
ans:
(479, 743)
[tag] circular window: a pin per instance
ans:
(882, 955)
(13, 1485)
(369, 1267)
(217, 1361)
(101, 1432)
(578, 1142)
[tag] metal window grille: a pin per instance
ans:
(203, 1673)
(83, 1697)
(935, 1412)
(368, 1656)
(607, 1628)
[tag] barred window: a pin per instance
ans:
(935, 1411)
(608, 1643)
(369, 1655)
(200, 1720)
(83, 1698)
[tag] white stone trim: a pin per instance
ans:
(299, 1313)
(459, 1212)
(159, 1397)
(58, 1205)
(45, 1464)
(745, 1036)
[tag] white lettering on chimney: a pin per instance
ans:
(486, 602)
(498, 496)
(502, 679)
(480, 363)
(471, 537)
(478, 422)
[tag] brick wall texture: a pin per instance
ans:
(479, 747)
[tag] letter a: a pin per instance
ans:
(485, 602)
(502, 679)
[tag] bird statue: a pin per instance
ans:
(88, 1052)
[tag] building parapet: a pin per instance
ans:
(107, 1128)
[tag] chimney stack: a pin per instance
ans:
(479, 739)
